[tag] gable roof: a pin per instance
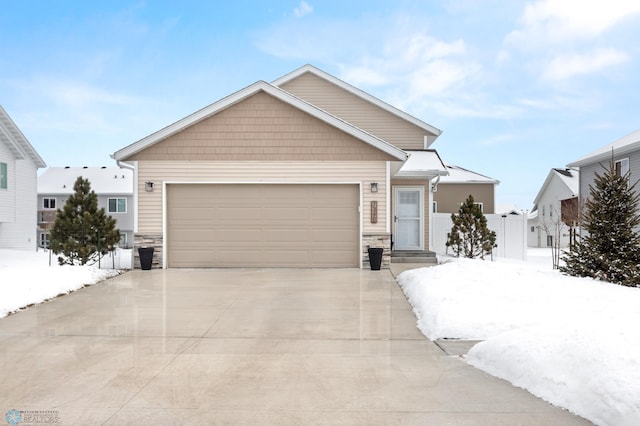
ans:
(357, 92)
(458, 174)
(624, 145)
(239, 96)
(104, 180)
(17, 143)
(569, 177)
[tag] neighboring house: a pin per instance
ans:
(625, 153)
(307, 171)
(112, 185)
(555, 209)
(453, 190)
(19, 164)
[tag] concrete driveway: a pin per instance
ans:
(246, 346)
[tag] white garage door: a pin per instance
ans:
(262, 225)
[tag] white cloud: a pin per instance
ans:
(567, 66)
(303, 9)
(554, 21)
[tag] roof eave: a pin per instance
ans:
(357, 92)
(248, 91)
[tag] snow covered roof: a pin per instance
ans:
(624, 145)
(104, 180)
(17, 143)
(458, 174)
(569, 177)
(507, 208)
(421, 164)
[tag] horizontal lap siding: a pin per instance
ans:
(357, 111)
(365, 172)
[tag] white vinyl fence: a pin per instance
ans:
(118, 259)
(511, 234)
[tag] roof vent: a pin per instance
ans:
(103, 167)
(115, 176)
(67, 167)
(85, 167)
(122, 176)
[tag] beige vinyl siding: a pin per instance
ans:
(451, 195)
(357, 111)
(364, 172)
(261, 128)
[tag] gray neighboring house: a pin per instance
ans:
(112, 185)
(555, 204)
(19, 164)
(626, 155)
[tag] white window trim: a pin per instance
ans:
(55, 202)
(117, 198)
(624, 166)
(6, 176)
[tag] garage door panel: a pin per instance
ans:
(263, 225)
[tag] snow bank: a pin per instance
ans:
(27, 278)
(571, 341)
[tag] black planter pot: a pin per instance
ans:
(375, 258)
(146, 257)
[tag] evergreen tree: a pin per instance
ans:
(469, 235)
(81, 231)
(610, 249)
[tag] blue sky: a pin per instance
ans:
(517, 87)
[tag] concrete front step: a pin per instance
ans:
(413, 257)
(431, 260)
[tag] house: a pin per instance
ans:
(555, 209)
(451, 191)
(306, 171)
(19, 164)
(112, 185)
(625, 152)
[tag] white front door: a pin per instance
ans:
(408, 218)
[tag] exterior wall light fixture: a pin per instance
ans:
(374, 186)
(148, 186)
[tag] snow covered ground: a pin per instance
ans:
(27, 278)
(574, 342)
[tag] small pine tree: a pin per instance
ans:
(610, 250)
(81, 231)
(469, 235)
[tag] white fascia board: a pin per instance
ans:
(245, 93)
(17, 141)
(357, 92)
(622, 146)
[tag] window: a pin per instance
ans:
(123, 240)
(622, 167)
(542, 210)
(435, 207)
(533, 229)
(550, 210)
(117, 205)
(45, 240)
(549, 240)
(4, 176)
(49, 203)
(481, 205)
